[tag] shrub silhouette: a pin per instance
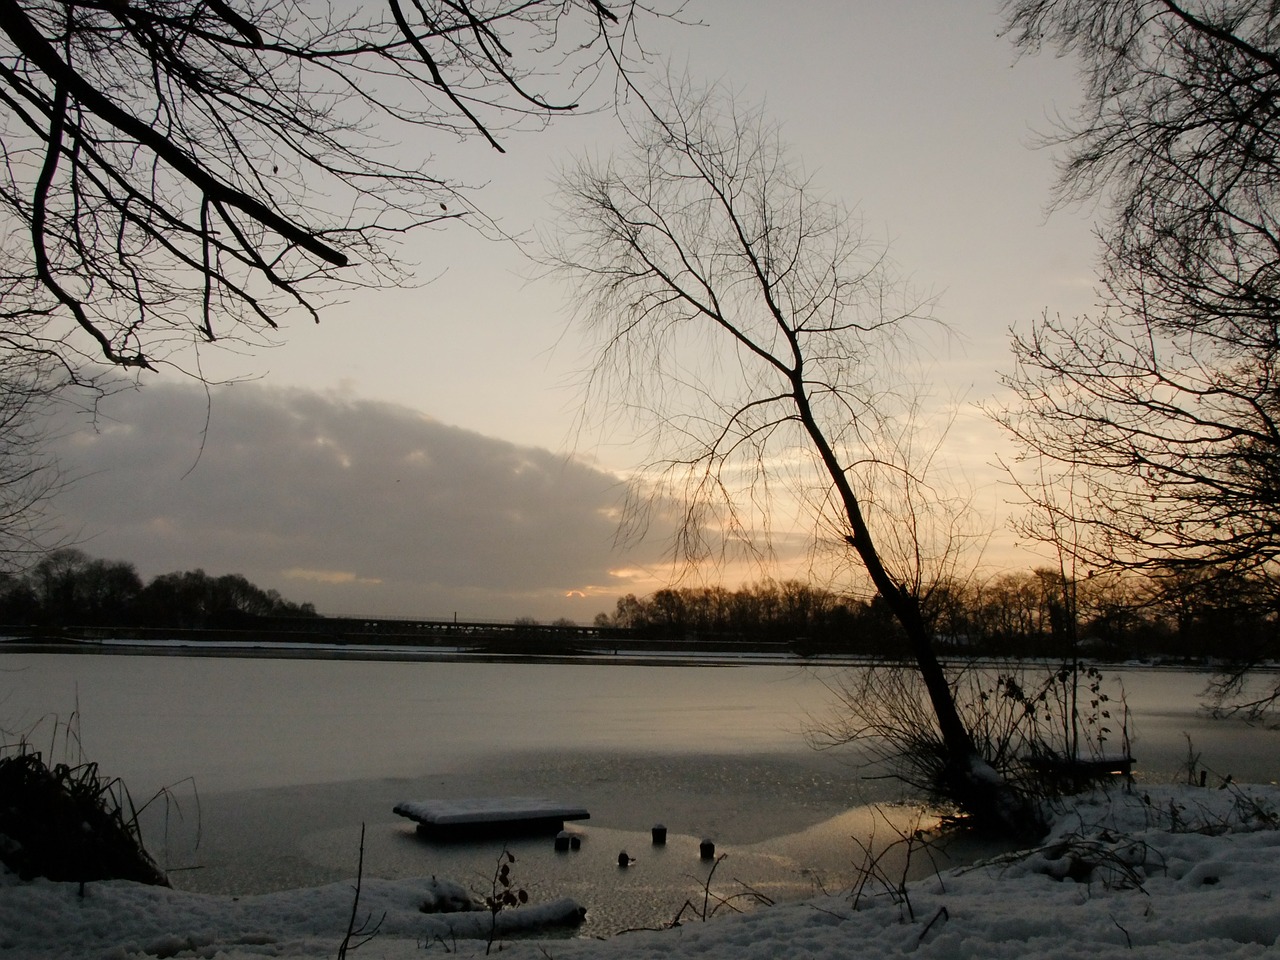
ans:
(69, 823)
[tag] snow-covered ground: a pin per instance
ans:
(1159, 872)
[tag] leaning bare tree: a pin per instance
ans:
(1163, 408)
(190, 170)
(762, 338)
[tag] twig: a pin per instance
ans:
(942, 914)
(364, 931)
(1127, 939)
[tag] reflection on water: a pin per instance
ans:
(291, 756)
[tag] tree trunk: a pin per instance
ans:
(967, 778)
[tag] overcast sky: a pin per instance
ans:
(359, 506)
(416, 452)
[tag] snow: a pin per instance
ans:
(472, 810)
(1155, 872)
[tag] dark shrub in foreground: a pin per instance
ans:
(68, 823)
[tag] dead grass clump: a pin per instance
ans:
(69, 823)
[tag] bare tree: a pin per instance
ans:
(179, 170)
(757, 332)
(1162, 410)
(1179, 140)
(29, 476)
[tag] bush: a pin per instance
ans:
(69, 823)
(1037, 730)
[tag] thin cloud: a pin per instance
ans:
(328, 576)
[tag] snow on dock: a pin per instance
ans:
(488, 815)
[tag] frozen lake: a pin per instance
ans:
(235, 724)
(290, 756)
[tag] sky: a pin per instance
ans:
(417, 452)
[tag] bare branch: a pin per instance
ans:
(193, 171)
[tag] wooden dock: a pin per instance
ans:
(476, 817)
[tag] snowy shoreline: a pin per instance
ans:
(1152, 872)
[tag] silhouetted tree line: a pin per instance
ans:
(811, 618)
(1191, 614)
(69, 588)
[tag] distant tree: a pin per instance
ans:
(67, 587)
(768, 610)
(192, 598)
(54, 581)
(1041, 613)
(176, 599)
(18, 603)
(107, 591)
(70, 587)
(1007, 615)
(232, 599)
(1232, 620)
(667, 612)
(949, 611)
(628, 612)
(183, 170)
(1117, 615)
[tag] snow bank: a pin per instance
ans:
(122, 919)
(1171, 873)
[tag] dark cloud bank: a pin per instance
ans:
(357, 506)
